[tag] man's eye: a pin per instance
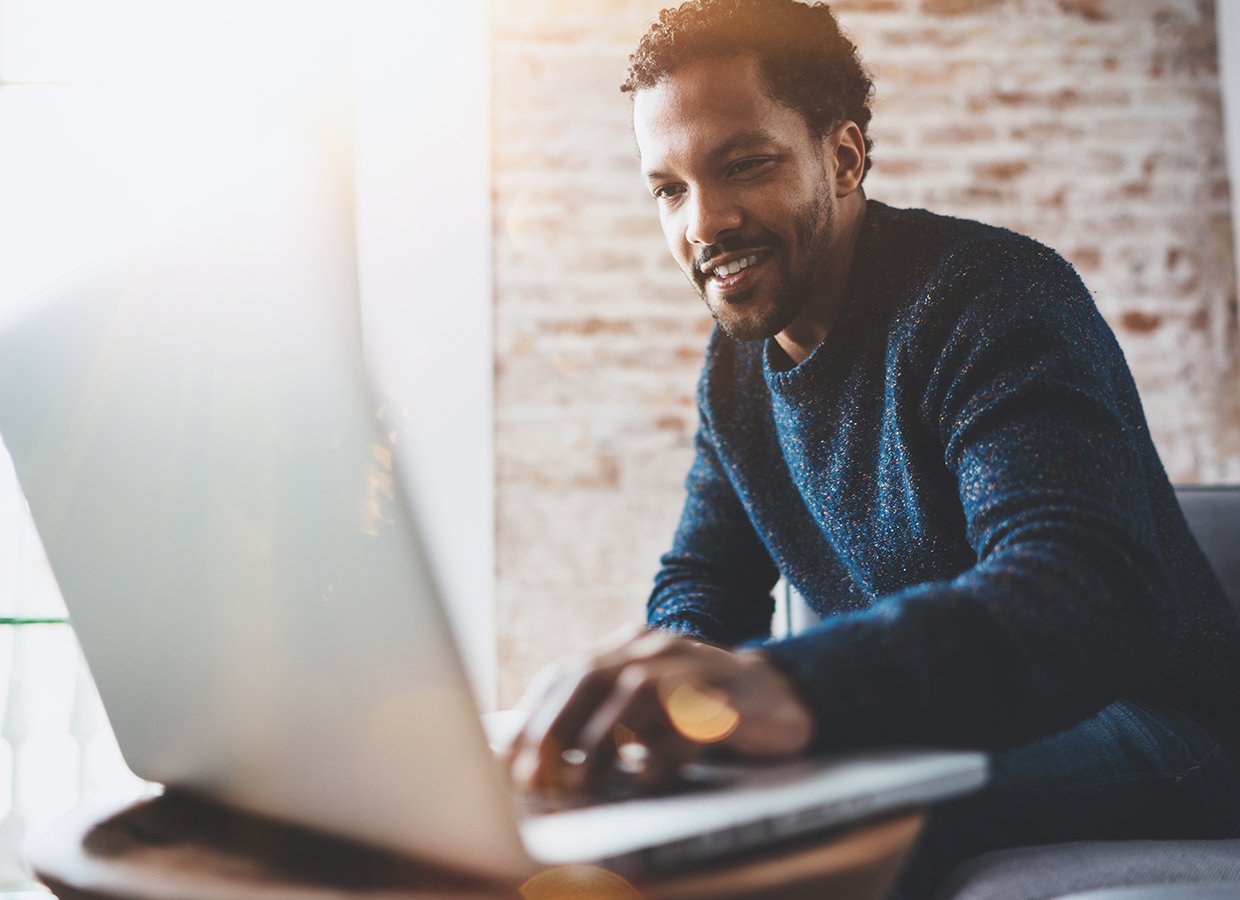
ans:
(753, 164)
(666, 191)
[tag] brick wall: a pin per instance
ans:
(1093, 125)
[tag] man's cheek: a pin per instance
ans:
(674, 236)
(685, 263)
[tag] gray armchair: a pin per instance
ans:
(1127, 870)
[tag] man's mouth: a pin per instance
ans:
(730, 270)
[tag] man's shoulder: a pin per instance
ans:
(942, 266)
(934, 241)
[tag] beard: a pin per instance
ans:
(746, 315)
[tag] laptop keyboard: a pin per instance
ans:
(618, 787)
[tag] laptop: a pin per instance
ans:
(216, 485)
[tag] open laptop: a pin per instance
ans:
(220, 499)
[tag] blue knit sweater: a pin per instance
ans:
(960, 479)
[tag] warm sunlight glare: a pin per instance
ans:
(118, 115)
(701, 714)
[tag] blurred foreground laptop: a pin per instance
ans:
(218, 493)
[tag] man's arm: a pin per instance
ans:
(715, 583)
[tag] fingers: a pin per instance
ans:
(675, 697)
(540, 752)
(570, 740)
(565, 700)
(630, 717)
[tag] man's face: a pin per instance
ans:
(744, 190)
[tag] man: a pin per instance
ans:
(924, 425)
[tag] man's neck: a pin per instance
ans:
(810, 327)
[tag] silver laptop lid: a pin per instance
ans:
(215, 491)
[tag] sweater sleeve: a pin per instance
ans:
(1030, 403)
(715, 582)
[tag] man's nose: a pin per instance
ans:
(711, 216)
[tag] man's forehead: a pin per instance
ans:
(710, 108)
(701, 87)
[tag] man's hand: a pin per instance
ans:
(675, 697)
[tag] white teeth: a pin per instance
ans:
(733, 267)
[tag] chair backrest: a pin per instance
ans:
(1213, 514)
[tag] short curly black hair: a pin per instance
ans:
(810, 65)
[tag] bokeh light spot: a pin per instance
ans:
(701, 715)
(578, 883)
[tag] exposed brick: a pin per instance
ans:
(1002, 171)
(1090, 10)
(1140, 322)
(1059, 100)
(1043, 131)
(971, 133)
(867, 7)
(959, 7)
(1085, 258)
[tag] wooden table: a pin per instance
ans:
(176, 848)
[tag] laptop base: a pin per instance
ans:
(175, 846)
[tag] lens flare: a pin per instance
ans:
(578, 883)
(701, 715)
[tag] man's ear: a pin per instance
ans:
(847, 146)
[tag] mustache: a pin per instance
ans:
(727, 245)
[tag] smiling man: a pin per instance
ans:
(765, 231)
(925, 426)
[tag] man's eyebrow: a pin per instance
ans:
(740, 141)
